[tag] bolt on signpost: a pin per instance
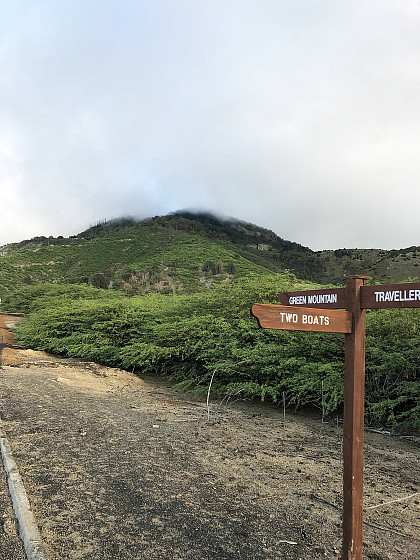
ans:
(322, 311)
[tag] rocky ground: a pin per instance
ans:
(118, 466)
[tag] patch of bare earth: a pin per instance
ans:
(121, 467)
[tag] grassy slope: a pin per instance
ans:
(384, 266)
(147, 248)
(193, 335)
(179, 253)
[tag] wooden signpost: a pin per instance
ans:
(301, 318)
(319, 310)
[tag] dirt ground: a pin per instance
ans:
(117, 466)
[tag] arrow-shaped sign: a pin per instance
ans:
(371, 297)
(288, 318)
(390, 296)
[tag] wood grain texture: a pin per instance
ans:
(353, 425)
(390, 296)
(290, 318)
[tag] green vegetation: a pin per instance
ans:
(172, 295)
(170, 256)
(183, 253)
(190, 337)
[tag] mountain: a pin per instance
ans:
(185, 252)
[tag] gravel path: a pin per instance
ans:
(109, 479)
(117, 467)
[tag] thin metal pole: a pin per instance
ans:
(353, 430)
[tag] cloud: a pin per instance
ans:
(300, 117)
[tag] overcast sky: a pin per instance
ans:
(299, 116)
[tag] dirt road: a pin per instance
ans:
(11, 547)
(118, 467)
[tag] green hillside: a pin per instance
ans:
(172, 295)
(185, 252)
(210, 336)
(172, 254)
(384, 266)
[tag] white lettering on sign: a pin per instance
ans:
(306, 319)
(313, 299)
(315, 320)
(323, 298)
(301, 319)
(398, 295)
(297, 300)
(289, 317)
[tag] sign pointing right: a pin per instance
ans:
(355, 298)
(371, 297)
(391, 295)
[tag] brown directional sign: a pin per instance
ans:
(322, 299)
(289, 318)
(319, 310)
(391, 295)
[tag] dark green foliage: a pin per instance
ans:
(392, 367)
(169, 255)
(183, 253)
(43, 296)
(99, 280)
(194, 278)
(194, 337)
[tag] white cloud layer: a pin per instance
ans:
(302, 117)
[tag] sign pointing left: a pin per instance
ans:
(289, 318)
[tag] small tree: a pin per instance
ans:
(99, 280)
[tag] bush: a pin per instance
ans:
(190, 337)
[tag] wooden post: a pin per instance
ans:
(353, 431)
(295, 314)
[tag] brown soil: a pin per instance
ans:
(121, 467)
